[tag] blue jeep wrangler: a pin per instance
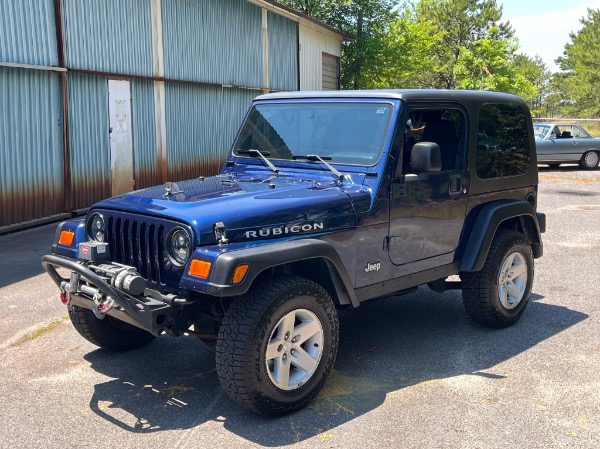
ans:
(325, 200)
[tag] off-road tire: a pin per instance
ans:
(108, 333)
(245, 334)
(480, 289)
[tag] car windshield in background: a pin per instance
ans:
(349, 133)
(540, 130)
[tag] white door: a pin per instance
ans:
(121, 141)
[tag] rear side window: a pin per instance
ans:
(502, 141)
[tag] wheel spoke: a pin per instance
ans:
(282, 373)
(518, 270)
(272, 351)
(303, 360)
(510, 260)
(306, 330)
(503, 295)
(514, 291)
(287, 325)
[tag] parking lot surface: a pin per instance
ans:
(412, 371)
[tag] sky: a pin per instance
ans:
(543, 26)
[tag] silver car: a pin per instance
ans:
(563, 143)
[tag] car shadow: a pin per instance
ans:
(385, 346)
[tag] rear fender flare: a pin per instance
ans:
(489, 220)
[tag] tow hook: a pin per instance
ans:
(100, 307)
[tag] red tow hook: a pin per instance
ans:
(63, 297)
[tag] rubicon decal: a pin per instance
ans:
(283, 230)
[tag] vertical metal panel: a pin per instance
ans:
(283, 53)
(31, 163)
(144, 133)
(214, 41)
(27, 33)
(201, 124)
(109, 35)
(312, 46)
(88, 134)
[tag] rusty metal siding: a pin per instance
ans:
(27, 33)
(283, 53)
(112, 36)
(88, 135)
(144, 133)
(31, 164)
(214, 41)
(201, 124)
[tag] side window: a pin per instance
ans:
(444, 126)
(502, 141)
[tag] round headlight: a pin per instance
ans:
(96, 228)
(179, 246)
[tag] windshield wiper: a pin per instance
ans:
(262, 155)
(323, 159)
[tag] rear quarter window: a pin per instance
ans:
(502, 141)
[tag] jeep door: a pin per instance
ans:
(427, 210)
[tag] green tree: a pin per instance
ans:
(366, 23)
(462, 23)
(537, 73)
(580, 80)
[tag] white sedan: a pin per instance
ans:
(563, 143)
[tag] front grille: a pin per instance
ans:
(140, 245)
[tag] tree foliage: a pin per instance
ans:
(580, 81)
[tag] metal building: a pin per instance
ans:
(100, 97)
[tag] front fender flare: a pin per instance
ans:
(263, 257)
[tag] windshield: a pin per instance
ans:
(540, 130)
(348, 133)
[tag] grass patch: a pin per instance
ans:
(41, 331)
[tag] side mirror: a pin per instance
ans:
(425, 157)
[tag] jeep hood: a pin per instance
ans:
(250, 207)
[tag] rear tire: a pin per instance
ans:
(497, 295)
(277, 345)
(589, 160)
(108, 333)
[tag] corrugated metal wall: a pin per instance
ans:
(31, 159)
(312, 46)
(27, 32)
(204, 42)
(144, 133)
(201, 125)
(283, 53)
(214, 41)
(108, 35)
(88, 133)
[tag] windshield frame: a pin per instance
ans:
(382, 143)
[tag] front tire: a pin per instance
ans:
(589, 160)
(108, 333)
(497, 295)
(277, 345)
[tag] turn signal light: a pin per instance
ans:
(66, 238)
(239, 273)
(200, 268)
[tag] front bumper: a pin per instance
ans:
(153, 312)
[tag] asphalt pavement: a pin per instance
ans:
(412, 371)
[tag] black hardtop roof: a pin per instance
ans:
(463, 96)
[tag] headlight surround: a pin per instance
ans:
(96, 228)
(179, 246)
